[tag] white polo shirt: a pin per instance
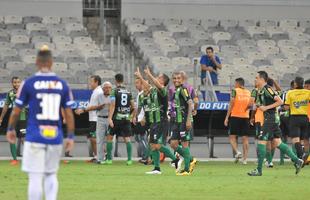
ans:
(94, 101)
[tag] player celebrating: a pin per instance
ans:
(45, 94)
(297, 101)
(267, 101)
(121, 109)
(182, 124)
(157, 104)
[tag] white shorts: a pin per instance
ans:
(41, 158)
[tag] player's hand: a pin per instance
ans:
(133, 120)
(252, 120)
(147, 71)
(111, 124)
(137, 73)
(11, 136)
(142, 122)
(69, 144)
(79, 111)
(188, 125)
(194, 112)
(263, 108)
(0, 122)
(226, 122)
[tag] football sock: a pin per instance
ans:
(268, 156)
(180, 150)
(187, 158)
(50, 186)
(283, 147)
(167, 152)
(282, 154)
(109, 150)
(156, 157)
(261, 156)
(35, 186)
(299, 149)
(129, 150)
(13, 151)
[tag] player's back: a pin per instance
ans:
(122, 98)
(46, 94)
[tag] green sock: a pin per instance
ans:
(167, 152)
(282, 154)
(180, 150)
(13, 151)
(283, 147)
(109, 150)
(129, 150)
(147, 153)
(187, 158)
(294, 149)
(156, 157)
(261, 156)
(268, 156)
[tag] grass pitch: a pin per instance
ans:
(211, 180)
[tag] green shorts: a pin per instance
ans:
(180, 133)
(122, 128)
(156, 133)
(270, 128)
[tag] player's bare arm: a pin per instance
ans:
(230, 107)
(278, 102)
(153, 79)
(69, 118)
(11, 134)
(111, 111)
(189, 114)
(3, 113)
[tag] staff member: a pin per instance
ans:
(238, 115)
(297, 100)
(95, 85)
(102, 119)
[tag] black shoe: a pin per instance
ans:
(176, 163)
(67, 154)
(298, 165)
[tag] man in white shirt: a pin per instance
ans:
(93, 106)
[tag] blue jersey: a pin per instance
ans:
(46, 94)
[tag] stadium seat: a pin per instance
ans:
(209, 23)
(37, 39)
(153, 21)
(221, 36)
(51, 20)
(176, 28)
(171, 21)
(24, 52)
(15, 66)
(13, 19)
(68, 20)
(19, 39)
(178, 35)
(190, 21)
(227, 23)
(246, 42)
(288, 23)
(18, 32)
(256, 30)
(246, 23)
(267, 22)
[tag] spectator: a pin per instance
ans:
(209, 63)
